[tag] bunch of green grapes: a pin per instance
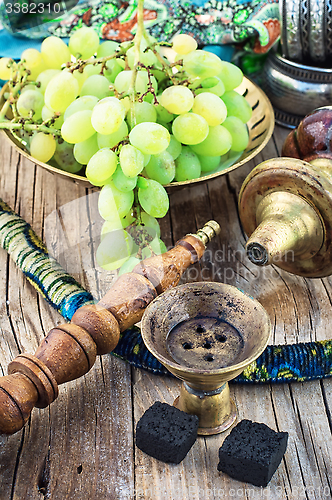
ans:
(134, 127)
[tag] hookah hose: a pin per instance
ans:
(279, 363)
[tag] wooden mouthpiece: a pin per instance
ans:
(70, 350)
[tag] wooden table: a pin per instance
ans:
(82, 447)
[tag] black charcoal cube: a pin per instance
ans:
(252, 452)
(166, 433)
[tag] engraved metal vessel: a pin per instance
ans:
(295, 89)
(297, 75)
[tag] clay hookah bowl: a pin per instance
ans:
(285, 204)
(206, 334)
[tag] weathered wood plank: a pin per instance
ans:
(82, 446)
(296, 307)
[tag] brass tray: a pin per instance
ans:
(260, 127)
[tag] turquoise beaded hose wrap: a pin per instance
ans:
(281, 363)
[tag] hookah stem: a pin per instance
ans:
(69, 350)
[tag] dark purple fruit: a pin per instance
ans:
(312, 138)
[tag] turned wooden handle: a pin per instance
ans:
(70, 350)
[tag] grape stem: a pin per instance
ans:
(29, 127)
(80, 64)
(137, 46)
(150, 88)
(14, 87)
(137, 208)
(167, 67)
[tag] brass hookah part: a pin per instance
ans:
(285, 204)
(70, 349)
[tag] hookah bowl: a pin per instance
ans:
(285, 204)
(297, 75)
(206, 334)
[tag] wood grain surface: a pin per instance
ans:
(82, 447)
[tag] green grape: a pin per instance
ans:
(61, 90)
(187, 165)
(149, 221)
(183, 44)
(123, 81)
(209, 163)
(83, 151)
(167, 126)
(237, 105)
(101, 167)
(5, 71)
(131, 160)
(116, 222)
(77, 127)
(29, 86)
(64, 158)
(147, 58)
(83, 43)
(45, 77)
(144, 112)
(31, 100)
(162, 113)
(129, 265)
(55, 52)
(126, 102)
(79, 77)
(47, 114)
(161, 168)
(108, 115)
(114, 249)
(113, 200)
(150, 138)
(93, 69)
(155, 247)
(217, 143)
(34, 62)
(177, 99)
(213, 85)
(112, 69)
(128, 219)
(122, 182)
(153, 197)
(96, 85)
(174, 147)
(26, 136)
(107, 48)
(146, 159)
(81, 104)
(141, 234)
(111, 140)
(230, 75)
(211, 107)
(238, 131)
(42, 146)
(190, 128)
(202, 64)
(159, 75)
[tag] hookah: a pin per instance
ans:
(285, 206)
